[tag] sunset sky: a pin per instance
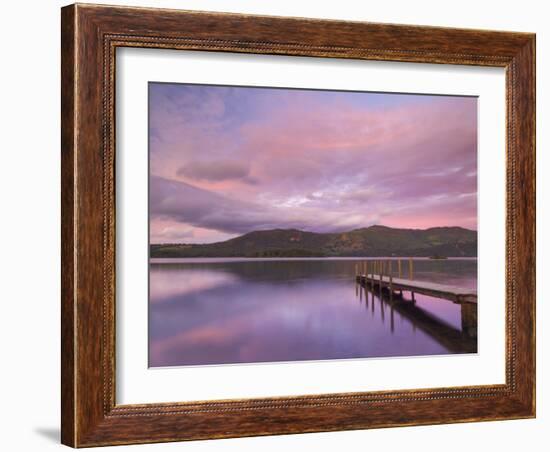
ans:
(229, 160)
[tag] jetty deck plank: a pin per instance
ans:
(452, 293)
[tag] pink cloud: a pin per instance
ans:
(311, 159)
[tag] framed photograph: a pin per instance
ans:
(281, 225)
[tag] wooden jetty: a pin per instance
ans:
(378, 274)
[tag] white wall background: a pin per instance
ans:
(29, 230)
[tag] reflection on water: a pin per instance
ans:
(220, 311)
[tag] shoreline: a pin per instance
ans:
(175, 260)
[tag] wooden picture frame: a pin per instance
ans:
(90, 36)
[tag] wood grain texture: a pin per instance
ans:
(67, 226)
(90, 36)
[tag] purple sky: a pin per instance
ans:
(228, 160)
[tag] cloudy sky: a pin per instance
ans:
(228, 160)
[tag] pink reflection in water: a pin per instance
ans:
(250, 311)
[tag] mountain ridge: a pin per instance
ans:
(371, 241)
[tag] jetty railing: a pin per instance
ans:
(378, 273)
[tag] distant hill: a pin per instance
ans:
(371, 241)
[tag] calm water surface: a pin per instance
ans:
(220, 311)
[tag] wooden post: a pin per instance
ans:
(399, 267)
(391, 287)
(412, 296)
(356, 270)
(389, 267)
(410, 268)
(381, 276)
(380, 279)
(468, 314)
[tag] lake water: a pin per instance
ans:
(221, 311)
